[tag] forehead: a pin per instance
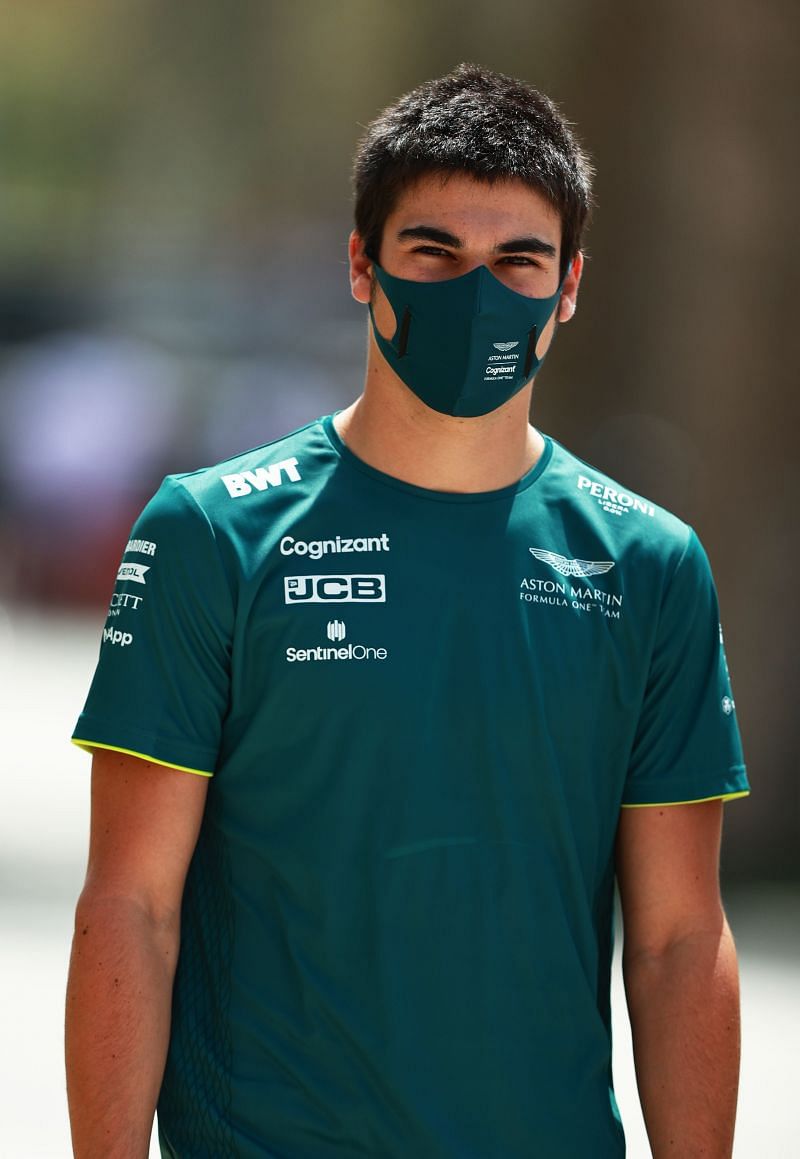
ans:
(470, 208)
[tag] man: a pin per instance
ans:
(399, 696)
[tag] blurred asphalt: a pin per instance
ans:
(46, 662)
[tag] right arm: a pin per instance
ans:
(144, 827)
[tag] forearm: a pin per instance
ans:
(684, 1010)
(117, 1026)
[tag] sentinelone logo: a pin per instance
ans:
(335, 630)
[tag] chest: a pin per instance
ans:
(352, 613)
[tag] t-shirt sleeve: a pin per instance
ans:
(161, 687)
(687, 745)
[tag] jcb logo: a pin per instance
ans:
(334, 589)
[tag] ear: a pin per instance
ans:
(569, 291)
(360, 270)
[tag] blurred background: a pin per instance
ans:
(174, 212)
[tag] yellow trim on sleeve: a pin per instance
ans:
(90, 745)
(696, 801)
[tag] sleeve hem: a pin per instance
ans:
(91, 745)
(692, 801)
(673, 790)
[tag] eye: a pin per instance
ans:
(434, 251)
(519, 260)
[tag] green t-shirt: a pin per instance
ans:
(422, 712)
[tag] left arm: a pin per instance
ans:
(681, 979)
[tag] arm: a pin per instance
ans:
(681, 982)
(145, 821)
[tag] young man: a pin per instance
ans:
(398, 697)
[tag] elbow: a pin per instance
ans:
(706, 952)
(102, 909)
(693, 932)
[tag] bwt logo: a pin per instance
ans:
(114, 636)
(336, 630)
(262, 478)
(334, 589)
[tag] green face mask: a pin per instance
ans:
(464, 346)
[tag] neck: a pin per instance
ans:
(390, 429)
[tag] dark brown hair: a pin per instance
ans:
(481, 123)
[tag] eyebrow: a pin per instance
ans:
(527, 245)
(429, 233)
(518, 245)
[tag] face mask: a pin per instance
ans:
(463, 346)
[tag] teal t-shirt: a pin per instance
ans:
(422, 712)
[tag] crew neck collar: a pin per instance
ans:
(353, 461)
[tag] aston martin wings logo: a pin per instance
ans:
(575, 567)
(504, 347)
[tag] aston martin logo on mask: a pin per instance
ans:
(504, 347)
(576, 567)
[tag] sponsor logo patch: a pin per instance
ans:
(502, 365)
(565, 566)
(336, 631)
(273, 475)
(612, 500)
(316, 548)
(120, 600)
(140, 547)
(133, 571)
(334, 589)
(577, 596)
(114, 636)
(724, 657)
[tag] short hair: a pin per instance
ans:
(480, 123)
